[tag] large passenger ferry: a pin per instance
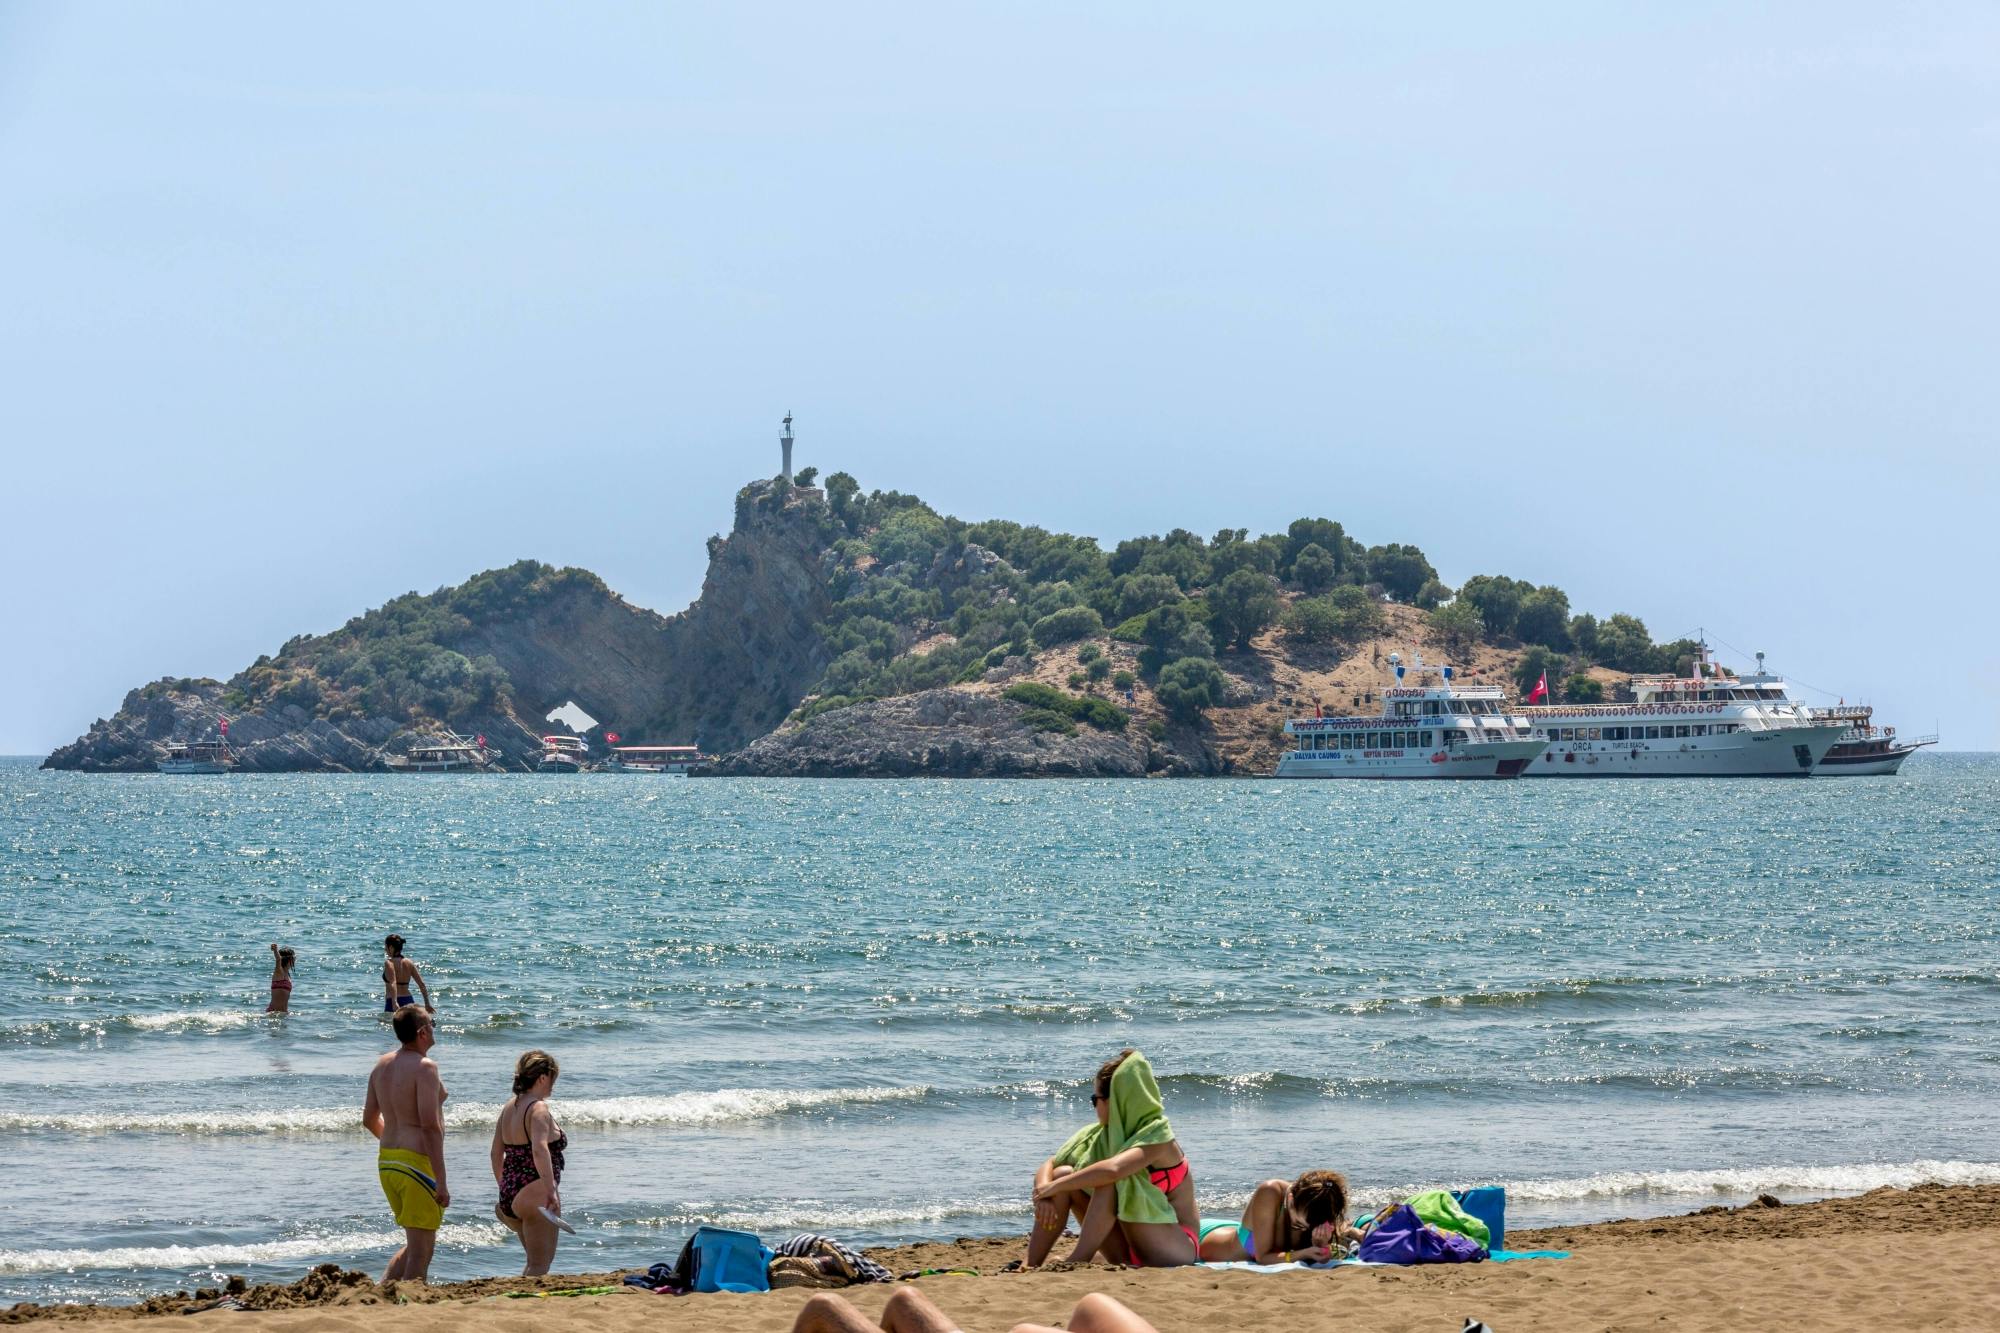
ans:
(1445, 730)
(562, 754)
(1710, 724)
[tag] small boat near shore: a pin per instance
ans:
(672, 761)
(451, 754)
(1445, 730)
(563, 754)
(199, 757)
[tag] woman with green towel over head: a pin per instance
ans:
(1125, 1178)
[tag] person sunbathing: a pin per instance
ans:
(910, 1311)
(1284, 1222)
(1125, 1178)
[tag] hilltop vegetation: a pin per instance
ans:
(921, 599)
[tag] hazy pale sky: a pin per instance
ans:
(1689, 309)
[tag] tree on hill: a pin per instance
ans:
(1330, 537)
(1346, 615)
(1544, 618)
(807, 476)
(1400, 569)
(1190, 685)
(1139, 593)
(840, 492)
(1241, 605)
(1582, 689)
(1315, 570)
(1624, 644)
(1534, 663)
(1067, 626)
(1497, 598)
(1456, 627)
(1583, 635)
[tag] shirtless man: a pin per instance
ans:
(405, 1110)
(397, 974)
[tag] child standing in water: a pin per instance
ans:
(281, 980)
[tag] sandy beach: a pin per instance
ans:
(1918, 1258)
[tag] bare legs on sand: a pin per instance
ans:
(537, 1233)
(910, 1311)
(412, 1263)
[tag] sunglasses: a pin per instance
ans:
(1095, 1099)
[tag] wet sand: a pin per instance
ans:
(1927, 1257)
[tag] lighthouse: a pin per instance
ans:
(785, 442)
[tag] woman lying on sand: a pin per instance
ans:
(1147, 1215)
(910, 1311)
(1284, 1223)
(529, 1171)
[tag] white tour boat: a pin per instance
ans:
(1446, 730)
(562, 754)
(1711, 724)
(196, 757)
(452, 754)
(672, 761)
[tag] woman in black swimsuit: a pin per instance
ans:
(528, 1151)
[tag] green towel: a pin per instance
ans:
(1137, 1119)
(1438, 1208)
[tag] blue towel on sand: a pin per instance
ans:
(1497, 1257)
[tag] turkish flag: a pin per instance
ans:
(611, 737)
(224, 724)
(1541, 690)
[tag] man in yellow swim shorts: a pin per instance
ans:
(405, 1110)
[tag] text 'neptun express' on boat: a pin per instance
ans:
(1443, 730)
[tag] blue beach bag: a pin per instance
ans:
(725, 1260)
(1488, 1203)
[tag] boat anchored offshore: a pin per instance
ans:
(196, 757)
(1445, 730)
(1710, 724)
(672, 761)
(1864, 749)
(452, 754)
(562, 754)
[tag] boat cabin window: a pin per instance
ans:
(1700, 730)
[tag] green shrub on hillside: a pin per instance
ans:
(1047, 698)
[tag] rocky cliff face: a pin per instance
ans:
(937, 733)
(494, 656)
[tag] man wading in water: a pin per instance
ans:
(405, 1110)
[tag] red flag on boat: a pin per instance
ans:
(1541, 690)
(224, 724)
(482, 740)
(611, 737)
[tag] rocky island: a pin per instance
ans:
(839, 633)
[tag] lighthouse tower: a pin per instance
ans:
(785, 442)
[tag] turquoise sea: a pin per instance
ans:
(870, 1008)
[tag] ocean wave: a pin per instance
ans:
(1853, 1178)
(691, 1109)
(193, 1257)
(814, 1214)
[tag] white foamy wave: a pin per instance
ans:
(192, 1020)
(1856, 1178)
(812, 1214)
(721, 1107)
(190, 1257)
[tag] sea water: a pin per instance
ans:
(872, 1008)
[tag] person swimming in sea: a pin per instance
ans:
(398, 973)
(1125, 1178)
(1300, 1221)
(282, 961)
(527, 1156)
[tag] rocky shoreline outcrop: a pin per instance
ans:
(937, 733)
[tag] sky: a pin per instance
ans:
(1688, 309)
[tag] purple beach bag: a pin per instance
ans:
(1401, 1237)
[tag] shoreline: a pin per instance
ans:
(1892, 1257)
